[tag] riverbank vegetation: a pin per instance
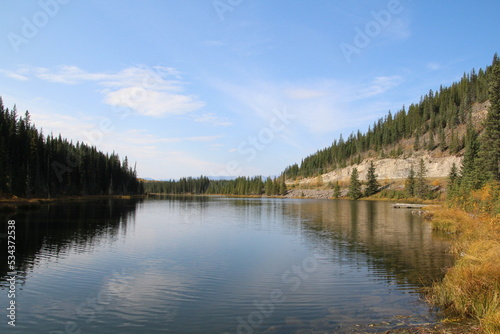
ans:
(471, 288)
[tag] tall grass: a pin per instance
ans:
(471, 288)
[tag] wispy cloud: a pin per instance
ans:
(142, 137)
(399, 29)
(13, 75)
(212, 119)
(150, 91)
(213, 43)
(380, 85)
(433, 66)
(305, 93)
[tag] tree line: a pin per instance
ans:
(480, 167)
(481, 164)
(427, 122)
(241, 186)
(34, 165)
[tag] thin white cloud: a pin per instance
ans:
(318, 106)
(150, 91)
(305, 94)
(213, 43)
(380, 85)
(142, 137)
(150, 102)
(315, 104)
(212, 119)
(13, 75)
(433, 66)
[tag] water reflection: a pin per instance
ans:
(56, 230)
(395, 240)
(200, 264)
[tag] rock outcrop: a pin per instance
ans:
(389, 169)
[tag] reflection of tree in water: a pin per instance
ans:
(62, 228)
(397, 243)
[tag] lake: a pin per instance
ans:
(220, 265)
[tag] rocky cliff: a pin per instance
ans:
(389, 169)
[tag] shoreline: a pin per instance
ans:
(20, 203)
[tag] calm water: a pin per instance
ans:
(219, 265)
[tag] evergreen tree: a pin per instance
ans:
(431, 144)
(283, 189)
(421, 186)
(336, 190)
(269, 187)
(410, 182)
(470, 173)
(490, 148)
(372, 185)
(355, 185)
(453, 180)
(416, 143)
(442, 139)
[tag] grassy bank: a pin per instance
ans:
(471, 288)
(16, 203)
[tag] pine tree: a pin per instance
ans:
(355, 185)
(471, 175)
(442, 139)
(269, 186)
(372, 185)
(283, 189)
(410, 182)
(453, 180)
(421, 186)
(416, 143)
(431, 144)
(490, 141)
(336, 190)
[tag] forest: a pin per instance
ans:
(32, 165)
(431, 124)
(241, 186)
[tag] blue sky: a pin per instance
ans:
(230, 87)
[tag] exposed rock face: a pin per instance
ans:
(392, 168)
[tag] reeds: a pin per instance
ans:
(471, 288)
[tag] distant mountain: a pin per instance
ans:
(213, 178)
(217, 178)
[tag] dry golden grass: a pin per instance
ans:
(471, 288)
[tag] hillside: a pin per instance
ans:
(438, 162)
(434, 129)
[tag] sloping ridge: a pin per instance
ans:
(389, 169)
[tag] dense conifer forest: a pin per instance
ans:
(32, 165)
(241, 186)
